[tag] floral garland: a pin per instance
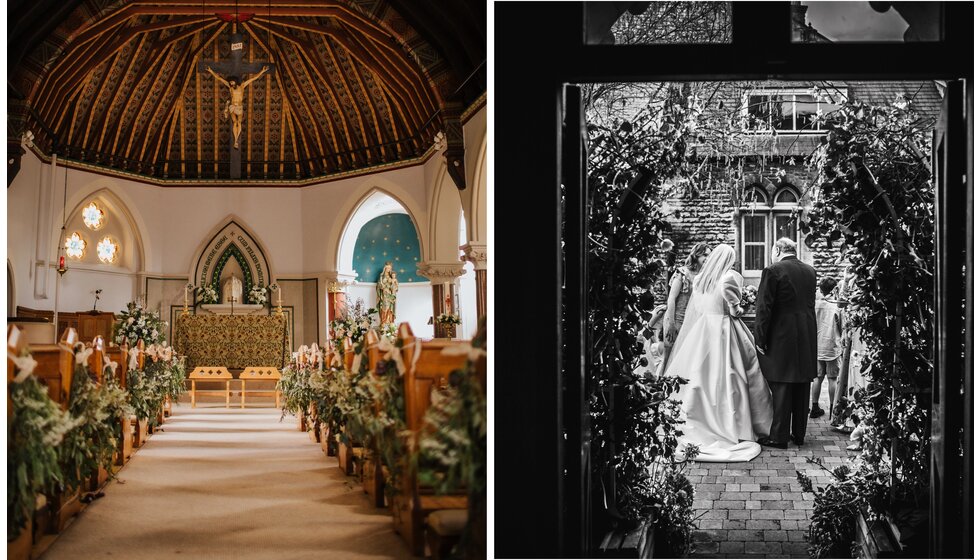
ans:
(353, 322)
(137, 323)
(36, 429)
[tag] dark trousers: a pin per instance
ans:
(789, 410)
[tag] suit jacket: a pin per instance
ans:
(785, 322)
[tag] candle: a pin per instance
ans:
(445, 297)
(185, 296)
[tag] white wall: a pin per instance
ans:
(299, 228)
(414, 304)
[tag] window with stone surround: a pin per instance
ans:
(761, 221)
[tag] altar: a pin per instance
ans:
(232, 341)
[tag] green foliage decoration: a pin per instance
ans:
(634, 423)
(876, 201)
(35, 432)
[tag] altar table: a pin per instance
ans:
(232, 341)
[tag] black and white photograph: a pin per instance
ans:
(749, 329)
(247, 279)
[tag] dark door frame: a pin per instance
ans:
(538, 48)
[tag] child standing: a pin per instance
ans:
(828, 346)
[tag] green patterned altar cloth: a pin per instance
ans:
(232, 341)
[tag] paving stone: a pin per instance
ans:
(768, 514)
(802, 505)
(794, 514)
(739, 514)
(775, 535)
(714, 535)
(709, 488)
(792, 496)
(733, 487)
(786, 479)
(741, 496)
(710, 495)
(765, 495)
(745, 535)
(796, 536)
(717, 514)
(702, 504)
(735, 472)
(750, 487)
(729, 504)
(707, 548)
(778, 504)
(709, 523)
(733, 524)
(763, 472)
(753, 504)
(795, 550)
(789, 524)
(731, 547)
(762, 524)
(764, 547)
(774, 487)
(725, 479)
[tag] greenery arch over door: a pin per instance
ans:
(232, 252)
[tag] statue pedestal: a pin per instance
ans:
(226, 308)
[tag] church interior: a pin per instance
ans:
(288, 189)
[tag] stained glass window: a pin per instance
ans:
(107, 250)
(93, 216)
(75, 246)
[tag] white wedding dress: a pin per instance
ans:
(726, 404)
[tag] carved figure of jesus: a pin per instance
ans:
(234, 107)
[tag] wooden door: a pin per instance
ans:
(950, 523)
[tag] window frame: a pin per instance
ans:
(777, 91)
(771, 210)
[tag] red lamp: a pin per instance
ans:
(61, 265)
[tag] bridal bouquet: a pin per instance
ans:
(257, 295)
(749, 295)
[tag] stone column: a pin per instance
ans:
(443, 278)
(476, 253)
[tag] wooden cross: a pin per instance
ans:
(232, 71)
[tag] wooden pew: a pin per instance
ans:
(346, 451)
(97, 362)
(55, 368)
(120, 355)
(19, 548)
(373, 478)
(413, 502)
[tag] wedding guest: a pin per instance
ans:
(653, 343)
(828, 346)
(679, 294)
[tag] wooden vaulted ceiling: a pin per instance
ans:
(356, 85)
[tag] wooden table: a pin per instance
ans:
(210, 374)
(260, 374)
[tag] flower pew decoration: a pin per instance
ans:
(137, 323)
(207, 294)
(258, 295)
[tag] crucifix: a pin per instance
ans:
(230, 73)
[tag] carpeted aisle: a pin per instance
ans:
(220, 483)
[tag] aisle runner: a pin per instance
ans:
(233, 483)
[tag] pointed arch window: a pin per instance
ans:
(763, 220)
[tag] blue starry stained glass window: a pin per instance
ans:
(391, 237)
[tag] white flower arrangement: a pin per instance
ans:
(448, 319)
(258, 295)
(137, 323)
(208, 294)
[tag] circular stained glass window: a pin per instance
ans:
(107, 250)
(93, 216)
(75, 246)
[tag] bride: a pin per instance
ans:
(726, 403)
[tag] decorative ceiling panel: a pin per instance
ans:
(352, 86)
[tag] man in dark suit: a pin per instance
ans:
(786, 335)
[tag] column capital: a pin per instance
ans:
(440, 272)
(476, 253)
(338, 281)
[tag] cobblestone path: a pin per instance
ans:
(757, 509)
